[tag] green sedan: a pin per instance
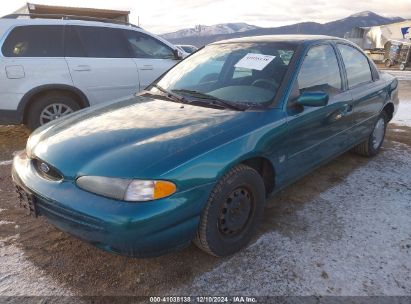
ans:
(195, 156)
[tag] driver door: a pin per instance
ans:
(317, 133)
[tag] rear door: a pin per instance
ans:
(152, 56)
(366, 88)
(317, 133)
(32, 56)
(100, 62)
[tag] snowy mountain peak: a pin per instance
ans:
(217, 29)
(363, 14)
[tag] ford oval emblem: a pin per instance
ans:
(44, 168)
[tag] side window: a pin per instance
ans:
(320, 71)
(74, 46)
(98, 42)
(356, 65)
(145, 46)
(34, 41)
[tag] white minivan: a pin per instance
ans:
(52, 67)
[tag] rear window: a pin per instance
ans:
(34, 41)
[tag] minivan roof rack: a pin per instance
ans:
(68, 17)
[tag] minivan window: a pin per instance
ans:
(145, 46)
(74, 46)
(97, 42)
(320, 71)
(356, 65)
(34, 41)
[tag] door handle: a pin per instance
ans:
(82, 68)
(147, 67)
(347, 109)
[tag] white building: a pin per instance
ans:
(375, 37)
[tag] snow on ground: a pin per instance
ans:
(401, 75)
(403, 116)
(353, 247)
(6, 223)
(19, 277)
(6, 162)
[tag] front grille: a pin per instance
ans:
(47, 171)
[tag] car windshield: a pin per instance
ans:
(231, 74)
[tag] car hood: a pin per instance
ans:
(127, 138)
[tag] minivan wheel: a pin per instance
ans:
(48, 107)
(232, 213)
(372, 145)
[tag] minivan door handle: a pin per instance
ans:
(82, 68)
(146, 67)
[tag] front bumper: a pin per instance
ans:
(132, 229)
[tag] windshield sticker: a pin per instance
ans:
(254, 61)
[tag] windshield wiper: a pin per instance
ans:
(215, 100)
(169, 94)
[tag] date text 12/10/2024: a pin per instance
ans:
(203, 299)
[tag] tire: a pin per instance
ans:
(233, 211)
(388, 63)
(372, 145)
(402, 66)
(56, 103)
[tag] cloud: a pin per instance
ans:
(166, 16)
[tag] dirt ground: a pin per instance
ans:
(345, 229)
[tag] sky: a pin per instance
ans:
(170, 15)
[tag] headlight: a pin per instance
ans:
(125, 189)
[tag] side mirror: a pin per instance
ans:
(178, 55)
(313, 99)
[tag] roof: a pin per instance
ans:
(78, 11)
(399, 23)
(280, 38)
(47, 21)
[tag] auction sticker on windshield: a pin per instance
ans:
(254, 61)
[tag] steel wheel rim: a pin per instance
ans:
(54, 111)
(236, 212)
(378, 133)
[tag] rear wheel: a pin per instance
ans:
(372, 145)
(388, 63)
(233, 212)
(50, 106)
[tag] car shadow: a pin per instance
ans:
(87, 270)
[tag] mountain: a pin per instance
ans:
(334, 28)
(218, 29)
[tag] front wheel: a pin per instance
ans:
(372, 145)
(233, 212)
